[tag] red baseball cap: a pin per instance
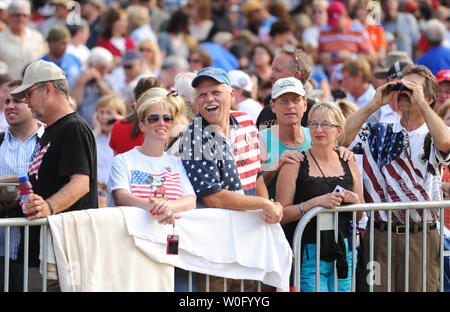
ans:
(334, 11)
(443, 75)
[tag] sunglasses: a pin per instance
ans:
(154, 118)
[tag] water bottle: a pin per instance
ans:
(25, 190)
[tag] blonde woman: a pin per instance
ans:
(147, 176)
(152, 54)
(316, 179)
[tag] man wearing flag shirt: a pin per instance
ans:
(220, 151)
(402, 162)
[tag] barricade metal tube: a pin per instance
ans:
(26, 233)
(389, 252)
(406, 250)
(317, 258)
(6, 272)
(424, 252)
(441, 254)
(370, 208)
(44, 258)
(372, 227)
(354, 222)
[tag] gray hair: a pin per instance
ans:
(18, 4)
(434, 32)
(175, 61)
(99, 55)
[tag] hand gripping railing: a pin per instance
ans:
(327, 220)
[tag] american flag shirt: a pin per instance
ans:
(393, 169)
(148, 177)
(214, 163)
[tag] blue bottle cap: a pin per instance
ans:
(24, 178)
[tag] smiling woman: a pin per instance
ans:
(147, 176)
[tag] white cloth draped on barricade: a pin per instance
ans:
(93, 251)
(221, 242)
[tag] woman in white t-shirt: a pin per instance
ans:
(147, 176)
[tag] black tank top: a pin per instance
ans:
(308, 187)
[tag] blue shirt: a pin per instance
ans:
(275, 148)
(69, 63)
(435, 59)
(15, 156)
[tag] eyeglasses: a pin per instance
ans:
(194, 60)
(145, 50)
(29, 93)
(323, 125)
(285, 100)
(19, 15)
(154, 118)
(318, 11)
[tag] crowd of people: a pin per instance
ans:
(278, 106)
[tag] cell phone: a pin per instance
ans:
(339, 189)
(172, 244)
(111, 121)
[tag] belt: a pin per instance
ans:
(401, 228)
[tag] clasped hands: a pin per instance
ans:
(161, 211)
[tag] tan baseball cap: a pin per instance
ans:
(38, 71)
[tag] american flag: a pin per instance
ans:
(35, 164)
(165, 185)
(389, 172)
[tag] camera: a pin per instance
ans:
(397, 87)
(172, 244)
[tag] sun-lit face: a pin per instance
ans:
(289, 108)
(323, 132)
(213, 101)
(16, 111)
(158, 124)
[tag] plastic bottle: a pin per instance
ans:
(25, 190)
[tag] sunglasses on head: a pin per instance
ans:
(154, 118)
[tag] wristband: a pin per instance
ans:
(50, 206)
(301, 209)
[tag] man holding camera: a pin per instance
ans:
(402, 163)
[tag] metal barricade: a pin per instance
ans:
(7, 223)
(328, 220)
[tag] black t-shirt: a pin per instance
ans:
(267, 117)
(67, 147)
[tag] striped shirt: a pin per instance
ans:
(354, 39)
(393, 170)
(15, 157)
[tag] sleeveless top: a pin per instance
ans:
(308, 187)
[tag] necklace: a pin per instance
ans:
(320, 169)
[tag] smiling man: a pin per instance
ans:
(402, 163)
(220, 153)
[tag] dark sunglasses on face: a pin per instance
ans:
(154, 118)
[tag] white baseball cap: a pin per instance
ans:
(38, 71)
(241, 80)
(287, 85)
